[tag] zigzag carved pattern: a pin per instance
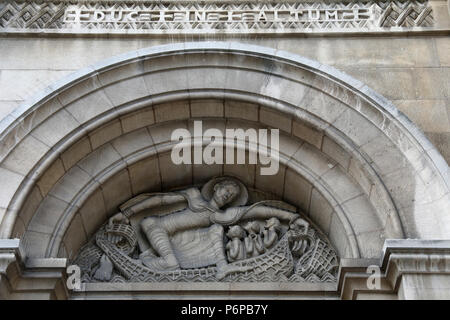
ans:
(49, 15)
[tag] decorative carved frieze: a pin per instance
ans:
(207, 235)
(161, 17)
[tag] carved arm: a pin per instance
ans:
(143, 202)
(265, 212)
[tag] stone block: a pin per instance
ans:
(26, 155)
(10, 183)
(35, 243)
(202, 173)
(241, 110)
(74, 237)
(133, 142)
(30, 206)
(432, 83)
(312, 159)
(105, 133)
(163, 132)
(357, 171)
(206, 108)
(79, 90)
(338, 237)
(246, 173)
(356, 127)
(172, 111)
(89, 106)
(343, 187)
(116, 191)
(320, 211)
(367, 51)
(280, 88)
(173, 175)
(308, 134)
(288, 147)
(8, 106)
(99, 159)
(145, 176)
(209, 78)
(137, 120)
(93, 212)
(76, 152)
(443, 48)
(48, 214)
(336, 152)
(50, 176)
(297, 190)
(19, 227)
(55, 128)
(244, 80)
(442, 142)
(72, 183)
(164, 82)
(126, 91)
(361, 215)
(428, 115)
(119, 73)
(394, 84)
(274, 184)
(275, 120)
(371, 244)
(23, 84)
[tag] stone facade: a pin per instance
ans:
(86, 126)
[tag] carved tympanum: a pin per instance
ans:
(207, 235)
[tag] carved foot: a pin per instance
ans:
(168, 263)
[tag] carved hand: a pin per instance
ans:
(118, 218)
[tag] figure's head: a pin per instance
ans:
(252, 227)
(272, 222)
(236, 232)
(225, 192)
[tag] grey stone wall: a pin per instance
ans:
(413, 72)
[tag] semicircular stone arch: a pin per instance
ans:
(348, 159)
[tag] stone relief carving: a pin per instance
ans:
(207, 235)
(227, 16)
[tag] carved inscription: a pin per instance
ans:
(160, 17)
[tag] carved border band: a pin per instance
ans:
(168, 17)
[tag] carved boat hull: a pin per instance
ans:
(275, 264)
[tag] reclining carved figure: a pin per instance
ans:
(221, 202)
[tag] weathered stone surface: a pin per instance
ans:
(105, 133)
(49, 178)
(206, 108)
(116, 191)
(320, 211)
(145, 176)
(297, 190)
(308, 134)
(93, 212)
(171, 111)
(241, 110)
(76, 152)
(137, 120)
(396, 162)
